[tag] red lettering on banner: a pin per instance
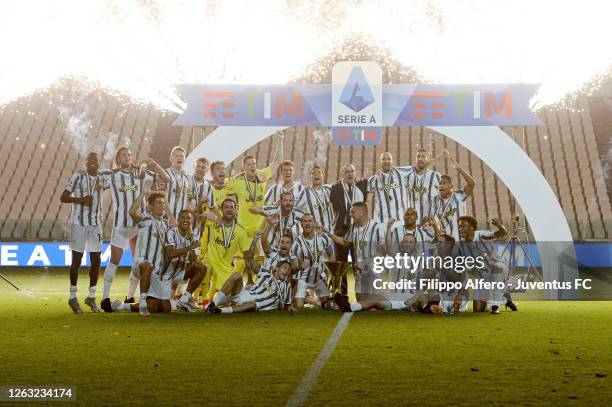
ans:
(281, 104)
(491, 104)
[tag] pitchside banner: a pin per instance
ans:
(18, 254)
(357, 104)
(57, 254)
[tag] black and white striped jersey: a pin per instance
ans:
(449, 211)
(316, 201)
(268, 292)
(399, 231)
(80, 185)
(313, 250)
(273, 195)
(389, 193)
(125, 186)
(177, 191)
(200, 190)
(367, 239)
(480, 245)
(286, 223)
(421, 191)
(174, 266)
(150, 241)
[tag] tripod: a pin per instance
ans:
(9, 281)
(511, 245)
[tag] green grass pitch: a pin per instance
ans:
(547, 353)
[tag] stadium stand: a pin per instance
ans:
(46, 135)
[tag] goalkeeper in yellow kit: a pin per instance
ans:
(220, 243)
(249, 187)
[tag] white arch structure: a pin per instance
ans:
(493, 146)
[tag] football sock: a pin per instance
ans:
(220, 298)
(227, 310)
(124, 307)
(133, 284)
(398, 305)
(92, 292)
(185, 298)
(109, 275)
(73, 291)
(143, 300)
(356, 307)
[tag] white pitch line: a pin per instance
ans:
(310, 378)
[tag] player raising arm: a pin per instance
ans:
(126, 181)
(451, 204)
(273, 195)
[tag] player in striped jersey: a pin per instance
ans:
(181, 264)
(388, 189)
(455, 300)
(315, 200)
(284, 217)
(268, 293)
(475, 243)
(149, 254)
(400, 229)
(422, 184)
(273, 196)
(280, 253)
(367, 239)
(177, 189)
(406, 237)
(311, 249)
(451, 204)
(84, 191)
(201, 196)
(126, 181)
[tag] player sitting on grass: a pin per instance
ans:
(311, 249)
(475, 243)
(181, 263)
(148, 259)
(268, 293)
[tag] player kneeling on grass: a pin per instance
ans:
(181, 261)
(148, 258)
(310, 251)
(270, 291)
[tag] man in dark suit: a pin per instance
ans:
(344, 192)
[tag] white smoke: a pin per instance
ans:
(77, 129)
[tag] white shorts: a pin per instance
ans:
(180, 278)
(120, 236)
(320, 288)
(159, 288)
(243, 296)
(86, 238)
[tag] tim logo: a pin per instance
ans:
(357, 103)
